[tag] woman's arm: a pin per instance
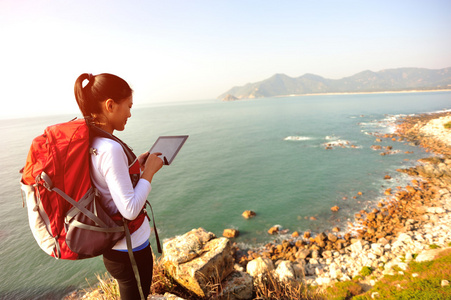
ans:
(114, 167)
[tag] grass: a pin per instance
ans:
(366, 271)
(447, 125)
(422, 280)
(343, 290)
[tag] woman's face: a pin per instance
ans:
(119, 114)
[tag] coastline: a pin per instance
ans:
(368, 93)
(347, 93)
(405, 223)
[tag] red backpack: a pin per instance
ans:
(65, 214)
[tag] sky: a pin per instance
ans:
(179, 50)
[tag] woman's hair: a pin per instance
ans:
(98, 89)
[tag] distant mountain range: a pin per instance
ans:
(402, 79)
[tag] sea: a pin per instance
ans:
(289, 159)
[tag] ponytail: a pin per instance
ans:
(98, 89)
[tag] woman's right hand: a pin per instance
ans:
(152, 165)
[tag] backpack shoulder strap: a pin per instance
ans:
(95, 131)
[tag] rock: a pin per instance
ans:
(357, 247)
(335, 208)
(445, 283)
(302, 253)
(431, 254)
(295, 234)
(166, 296)
(197, 259)
(274, 230)
(299, 268)
(332, 237)
(377, 249)
(188, 246)
(230, 233)
(320, 237)
(285, 271)
(436, 210)
(249, 214)
(237, 286)
(259, 266)
(375, 295)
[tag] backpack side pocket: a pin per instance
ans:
(39, 220)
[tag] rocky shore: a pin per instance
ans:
(406, 224)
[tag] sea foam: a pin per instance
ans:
(297, 138)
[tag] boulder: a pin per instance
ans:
(249, 214)
(357, 247)
(302, 253)
(332, 237)
(275, 229)
(320, 237)
(259, 266)
(198, 259)
(335, 208)
(285, 271)
(230, 233)
(186, 247)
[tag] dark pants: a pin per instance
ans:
(118, 265)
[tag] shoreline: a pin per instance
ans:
(345, 93)
(406, 222)
(367, 93)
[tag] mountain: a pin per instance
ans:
(367, 81)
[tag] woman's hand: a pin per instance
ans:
(142, 160)
(150, 165)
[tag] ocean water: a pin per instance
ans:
(267, 155)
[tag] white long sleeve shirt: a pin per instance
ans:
(110, 175)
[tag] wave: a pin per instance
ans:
(339, 143)
(297, 138)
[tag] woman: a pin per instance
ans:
(107, 100)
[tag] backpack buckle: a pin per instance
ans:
(47, 182)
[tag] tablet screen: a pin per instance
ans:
(169, 146)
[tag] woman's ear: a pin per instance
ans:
(108, 105)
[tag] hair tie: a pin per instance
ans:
(89, 79)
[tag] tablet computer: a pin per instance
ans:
(169, 146)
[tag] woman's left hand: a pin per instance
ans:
(142, 159)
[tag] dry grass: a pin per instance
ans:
(105, 289)
(269, 287)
